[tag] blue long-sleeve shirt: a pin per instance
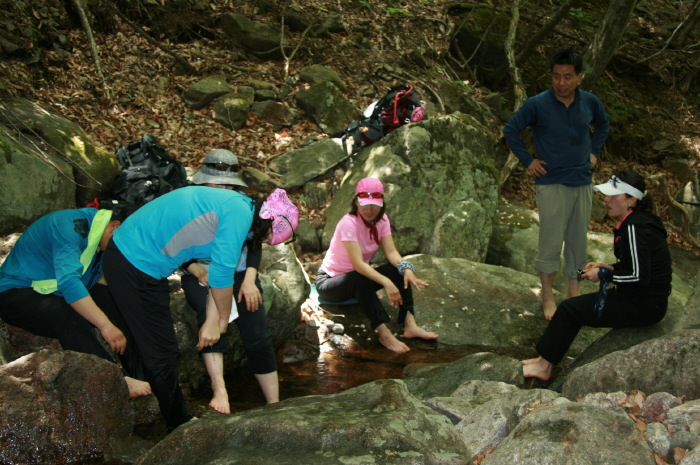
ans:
(196, 222)
(50, 249)
(562, 135)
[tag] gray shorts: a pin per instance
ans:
(564, 215)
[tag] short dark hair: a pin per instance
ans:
(636, 180)
(120, 210)
(567, 56)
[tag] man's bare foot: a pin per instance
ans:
(539, 368)
(549, 307)
(219, 402)
(530, 361)
(137, 388)
(417, 331)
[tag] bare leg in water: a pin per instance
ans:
(269, 383)
(214, 361)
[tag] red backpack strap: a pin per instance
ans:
(408, 88)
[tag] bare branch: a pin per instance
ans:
(93, 46)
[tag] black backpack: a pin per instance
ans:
(383, 116)
(148, 171)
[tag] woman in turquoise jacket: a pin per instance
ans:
(48, 286)
(193, 223)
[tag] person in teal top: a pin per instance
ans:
(48, 286)
(185, 224)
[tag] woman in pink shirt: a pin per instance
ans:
(346, 272)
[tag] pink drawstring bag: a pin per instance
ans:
(284, 215)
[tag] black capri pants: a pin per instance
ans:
(252, 325)
(353, 284)
(621, 310)
(145, 305)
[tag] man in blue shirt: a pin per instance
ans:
(48, 286)
(566, 152)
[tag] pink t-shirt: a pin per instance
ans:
(352, 228)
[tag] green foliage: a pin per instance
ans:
(584, 16)
(464, 85)
(397, 10)
(365, 4)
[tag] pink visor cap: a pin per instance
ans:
(370, 191)
(284, 215)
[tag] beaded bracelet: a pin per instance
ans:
(403, 264)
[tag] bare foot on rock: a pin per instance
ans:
(549, 307)
(410, 333)
(137, 388)
(219, 402)
(537, 368)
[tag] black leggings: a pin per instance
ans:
(353, 284)
(50, 315)
(252, 325)
(145, 304)
(621, 310)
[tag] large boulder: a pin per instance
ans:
(679, 316)
(489, 308)
(31, 185)
(203, 92)
(446, 379)
(573, 433)
(328, 107)
(440, 182)
(320, 73)
(62, 407)
(36, 181)
(299, 166)
(259, 39)
(379, 422)
(668, 363)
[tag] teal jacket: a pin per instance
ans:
(50, 249)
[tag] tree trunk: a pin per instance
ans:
(685, 29)
(518, 88)
(606, 40)
(545, 31)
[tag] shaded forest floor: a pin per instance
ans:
(143, 90)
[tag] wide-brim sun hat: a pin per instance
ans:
(220, 166)
(370, 186)
(615, 186)
(284, 215)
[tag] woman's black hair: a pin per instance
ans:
(259, 229)
(120, 210)
(636, 180)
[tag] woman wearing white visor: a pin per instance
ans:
(641, 276)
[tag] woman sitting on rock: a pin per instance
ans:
(642, 276)
(346, 272)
